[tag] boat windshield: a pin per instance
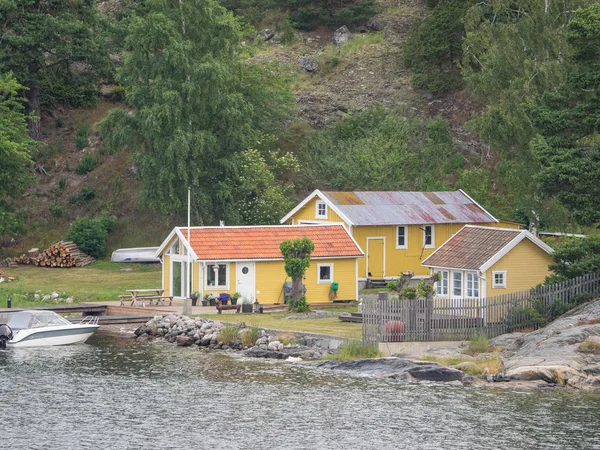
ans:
(35, 319)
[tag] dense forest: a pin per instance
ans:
(207, 95)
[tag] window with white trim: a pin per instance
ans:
(441, 286)
(428, 236)
(499, 279)
(174, 250)
(401, 236)
(217, 276)
(457, 284)
(472, 284)
(321, 210)
(324, 273)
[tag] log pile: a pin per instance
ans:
(61, 254)
(6, 278)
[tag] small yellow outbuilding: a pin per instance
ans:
(247, 260)
(483, 262)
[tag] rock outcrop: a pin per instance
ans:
(396, 368)
(552, 354)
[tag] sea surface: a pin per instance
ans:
(113, 393)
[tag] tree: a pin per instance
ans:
(40, 37)
(567, 120)
(15, 148)
(575, 258)
(196, 103)
(433, 48)
(296, 257)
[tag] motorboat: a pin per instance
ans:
(135, 255)
(41, 328)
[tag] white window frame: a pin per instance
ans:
(405, 245)
(318, 214)
(499, 285)
(461, 285)
(174, 248)
(217, 287)
(319, 280)
(425, 245)
(439, 285)
(473, 285)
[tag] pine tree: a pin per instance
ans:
(42, 35)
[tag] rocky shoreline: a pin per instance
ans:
(549, 357)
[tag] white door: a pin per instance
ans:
(246, 280)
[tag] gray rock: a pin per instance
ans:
(184, 341)
(266, 34)
(375, 25)
(308, 64)
(274, 346)
(263, 340)
(396, 368)
(69, 300)
(143, 338)
(342, 35)
(205, 341)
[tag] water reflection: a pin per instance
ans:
(114, 393)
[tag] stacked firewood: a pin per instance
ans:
(62, 254)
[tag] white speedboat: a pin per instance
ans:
(39, 328)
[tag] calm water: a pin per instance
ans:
(112, 393)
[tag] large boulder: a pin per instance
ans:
(308, 64)
(342, 35)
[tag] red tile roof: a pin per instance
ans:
(239, 243)
(471, 247)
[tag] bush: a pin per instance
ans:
(479, 344)
(355, 350)
(56, 210)
(90, 235)
(250, 336)
(300, 305)
(590, 346)
(81, 138)
(228, 334)
(524, 317)
(85, 195)
(62, 183)
(87, 164)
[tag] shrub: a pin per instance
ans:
(90, 235)
(479, 344)
(250, 336)
(60, 122)
(524, 317)
(300, 305)
(87, 164)
(81, 138)
(227, 335)
(62, 183)
(355, 350)
(85, 195)
(56, 210)
(590, 346)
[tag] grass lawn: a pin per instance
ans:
(100, 281)
(327, 325)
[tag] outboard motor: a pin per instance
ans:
(6, 335)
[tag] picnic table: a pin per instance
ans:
(146, 295)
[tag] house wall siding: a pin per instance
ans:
(270, 276)
(167, 274)
(526, 265)
(309, 212)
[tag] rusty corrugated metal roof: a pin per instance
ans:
(408, 208)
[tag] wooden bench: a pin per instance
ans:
(221, 307)
(158, 298)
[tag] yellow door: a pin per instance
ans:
(375, 265)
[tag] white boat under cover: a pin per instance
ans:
(40, 328)
(139, 255)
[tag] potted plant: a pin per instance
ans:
(234, 298)
(205, 300)
(246, 305)
(224, 298)
(194, 296)
(211, 298)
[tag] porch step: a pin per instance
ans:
(353, 317)
(374, 283)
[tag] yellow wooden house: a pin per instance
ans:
(484, 262)
(247, 260)
(396, 230)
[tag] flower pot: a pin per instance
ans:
(246, 308)
(234, 301)
(224, 302)
(212, 302)
(194, 300)
(204, 303)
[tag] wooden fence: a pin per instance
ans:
(443, 319)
